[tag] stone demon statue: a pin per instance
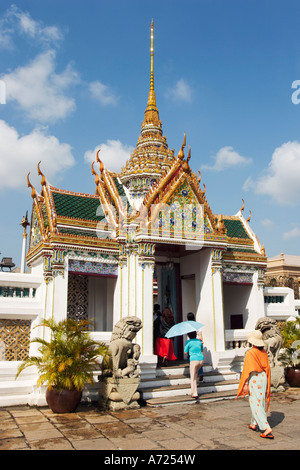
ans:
(271, 337)
(124, 354)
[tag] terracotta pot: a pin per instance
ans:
(292, 376)
(65, 401)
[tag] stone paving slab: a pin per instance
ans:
(221, 425)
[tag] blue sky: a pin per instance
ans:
(77, 77)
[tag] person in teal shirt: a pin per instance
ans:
(194, 348)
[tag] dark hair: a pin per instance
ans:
(190, 316)
(192, 334)
(156, 307)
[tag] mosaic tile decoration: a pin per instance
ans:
(90, 267)
(184, 216)
(238, 278)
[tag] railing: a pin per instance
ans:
(20, 296)
(21, 292)
(235, 339)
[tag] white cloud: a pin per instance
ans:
(268, 223)
(227, 157)
(281, 180)
(294, 233)
(39, 91)
(16, 20)
(180, 92)
(102, 93)
(113, 154)
(20, 154)
(249, 184)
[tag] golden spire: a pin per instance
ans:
(151, 113)
(151, 105)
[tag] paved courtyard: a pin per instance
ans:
(219, 425)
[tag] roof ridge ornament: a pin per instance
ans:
(43, 180)
(181, 152)
(33, 191)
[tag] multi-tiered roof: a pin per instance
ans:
(152, 180)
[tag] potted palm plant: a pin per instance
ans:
(66, 362)
(290, 357)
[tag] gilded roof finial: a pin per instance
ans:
(43, 181)
(189, 154)
(199, 179)
(243, 206)
(97, 179)
(33, 191)
(151, 105)
(101, 166)
(181, 152)
(25, 223)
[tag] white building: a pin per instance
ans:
(146, 236)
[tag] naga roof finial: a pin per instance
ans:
(43, 180)
(99, 161)
(33, 191)
(243, 206)
(97, 179)
(181, 153)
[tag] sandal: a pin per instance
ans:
(253, 427)
(267, 436)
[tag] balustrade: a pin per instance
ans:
(235, 339)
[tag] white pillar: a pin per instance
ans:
(23, 256)
(135, 288)
(217, 293)
(148, 360)
(258, 286)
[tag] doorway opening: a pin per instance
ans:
(91, 298)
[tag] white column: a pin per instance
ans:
(23, 256)
(217, 293)
(145, 269)
(258, 287)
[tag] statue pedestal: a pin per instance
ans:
(119, 393)
(277, 379)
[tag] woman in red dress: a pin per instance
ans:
(164, 346)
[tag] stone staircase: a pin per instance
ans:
(15, 392)
(172, 385)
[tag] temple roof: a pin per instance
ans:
(156, 192)
(76, 206)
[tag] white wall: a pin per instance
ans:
(236, 301)
(200, 265)
(188, 289)
(100, 302)
(281, 311)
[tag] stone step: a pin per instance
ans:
(172, 385)
(19, 387)
(179, 367)
(186, 399)
(168, 380)
(184, 389)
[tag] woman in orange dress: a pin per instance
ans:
(164, 346)
(255, 381)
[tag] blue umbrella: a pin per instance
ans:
(183, 328)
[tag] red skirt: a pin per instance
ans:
(164, 347)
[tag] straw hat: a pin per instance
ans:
(256, 338)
